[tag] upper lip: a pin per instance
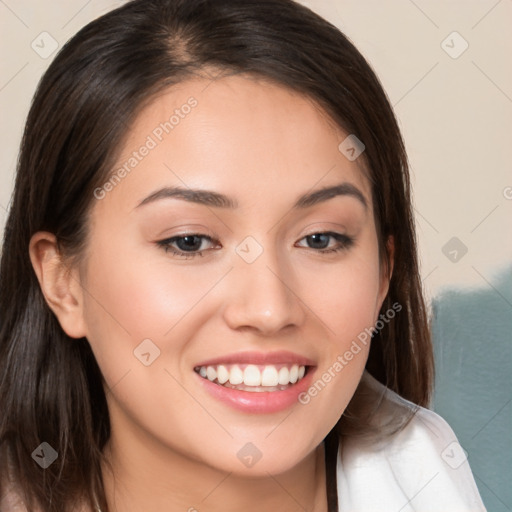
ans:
(259, 358)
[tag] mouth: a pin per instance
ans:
(256, 382)
(253, 377)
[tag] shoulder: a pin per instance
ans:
(421, 467)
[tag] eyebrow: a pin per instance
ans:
(218, 200)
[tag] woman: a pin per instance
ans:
(283, 359)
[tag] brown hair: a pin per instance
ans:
(84, 103)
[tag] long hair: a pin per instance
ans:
(50, 384)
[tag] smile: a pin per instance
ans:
(256, 382)
(252, 377)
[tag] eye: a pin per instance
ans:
(188, 245)
(320, 241)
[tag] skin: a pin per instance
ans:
(173, 446)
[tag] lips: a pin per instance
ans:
(256, 382)
(259, 358)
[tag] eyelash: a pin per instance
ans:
(345, 242)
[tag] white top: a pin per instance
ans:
(422, 468)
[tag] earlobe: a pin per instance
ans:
(59, 283)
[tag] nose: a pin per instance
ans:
(263, 296)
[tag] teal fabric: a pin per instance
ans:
(472, 331)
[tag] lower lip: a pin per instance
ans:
(259, 402)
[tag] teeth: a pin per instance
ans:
(284, 376)
(253, 376)
(269, 376)
(294, 374)
(236, 376)
(222, 374)
(211, 373)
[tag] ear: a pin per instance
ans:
(387, 269)
(59, 283)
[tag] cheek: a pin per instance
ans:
(134, 297)
(140, 296)
(132, 300)
(346, 297)
(348, 307)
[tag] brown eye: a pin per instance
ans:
(187, 245)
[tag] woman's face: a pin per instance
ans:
(255, 297)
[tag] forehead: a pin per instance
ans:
(246, 137)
